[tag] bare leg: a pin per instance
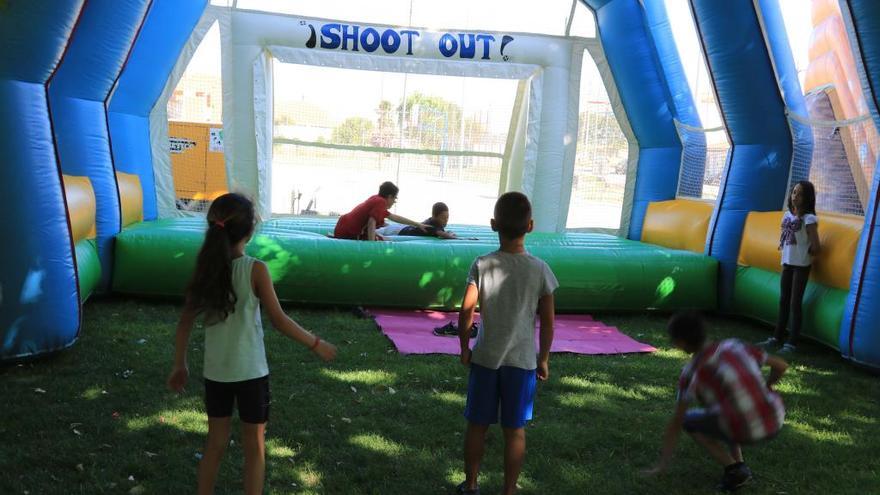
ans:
(737, 453)
(253, 440)
(514, 455)
(474, 446)
(716, 449)
(215, 446)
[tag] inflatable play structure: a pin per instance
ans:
(91, 200)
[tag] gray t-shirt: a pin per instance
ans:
(509, 286)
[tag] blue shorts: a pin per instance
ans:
(508, 389)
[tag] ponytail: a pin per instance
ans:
(230, 219)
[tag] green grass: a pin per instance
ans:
(378, 422)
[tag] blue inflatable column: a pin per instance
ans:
(78, 94)
(679, 93)
(860, 332)
(166, 28)
(643, 93)
(754, 114)
(776, 38)
(39, 295)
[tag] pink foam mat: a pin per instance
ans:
(411, 332)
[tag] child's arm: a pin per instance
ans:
(407, 221)
(180, 372)
(265, 291)
(670, 439)
(446, 235)
(777, 369)
(371, 229)
(813, 236)
(547, 311)
(465, 320)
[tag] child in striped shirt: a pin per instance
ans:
(724, 400)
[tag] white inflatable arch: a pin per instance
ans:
(540, 150)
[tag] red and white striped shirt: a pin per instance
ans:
(725, 377)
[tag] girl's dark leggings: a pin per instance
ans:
(794, 283)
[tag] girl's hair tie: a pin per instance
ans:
(222, 223)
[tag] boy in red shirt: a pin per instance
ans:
(361, 222)
(735, 403)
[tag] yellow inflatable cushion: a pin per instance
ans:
(131, 198)
(678, 224)
(80, 206)
(839, 235)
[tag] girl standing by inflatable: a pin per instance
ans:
(799, 242)
(227, 290)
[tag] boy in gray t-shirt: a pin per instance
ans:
(510, 285)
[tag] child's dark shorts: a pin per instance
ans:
(252, 396)
(708, 423)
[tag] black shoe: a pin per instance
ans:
(735, 477)
(446, 330)
(475, 329)
(450, 329)
(360, 312)
(464, 490)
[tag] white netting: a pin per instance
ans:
(841, 162)
(195, 128)
(704, 156)
(597, 188)
(439, 138)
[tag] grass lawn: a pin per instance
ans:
(98, 419)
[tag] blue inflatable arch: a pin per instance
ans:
(165, 30)
(58, 72)
(78, 95)
(39, 303)
(860, 338)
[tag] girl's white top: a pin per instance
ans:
(234, 349)
(794, 241)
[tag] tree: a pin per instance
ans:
(383, 135)
(353, 130)
(431, 121)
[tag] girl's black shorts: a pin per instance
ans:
(252, 396)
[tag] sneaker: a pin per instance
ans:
(464, 490)
(735, 477)
(446, 330)
(771, 342)
(360, 312)
(450, 330)
(787, 349)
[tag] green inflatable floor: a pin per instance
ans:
(756, 295)
(595, 271)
